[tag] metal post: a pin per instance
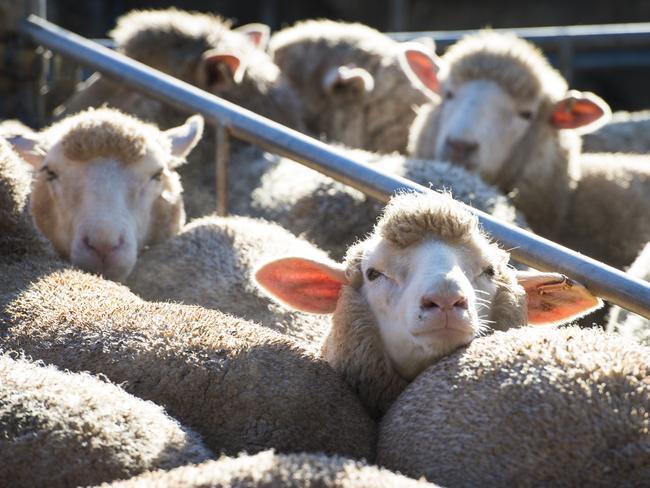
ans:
(222, 160)
(604, 281)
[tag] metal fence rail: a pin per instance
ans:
(605, 281)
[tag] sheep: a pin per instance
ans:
(270, 470)
(352, 86)
(626, 132)
(202, 50)
(219, 255)
(306, 202)
(527, 407)
(106, 186)
(65, 429)
(240, 386)
(508, 115)
(624, 322)
(424, 283)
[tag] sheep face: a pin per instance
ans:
(428, 299)
(98, 203)
(480, 124)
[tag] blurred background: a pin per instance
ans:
(617, 73)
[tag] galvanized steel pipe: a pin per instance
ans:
(605, 281)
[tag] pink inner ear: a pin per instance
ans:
(302, 284)
(555, 299)
(573, 113)
(228, 60)
(424, 68)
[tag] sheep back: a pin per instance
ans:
(270, 470)
(65, 429)
(528, 407)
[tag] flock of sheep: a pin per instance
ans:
(316, 338)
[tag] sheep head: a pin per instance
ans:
(105, 186)
(498, 93)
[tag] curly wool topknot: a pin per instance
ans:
(515, 64)
(105, 133)
(409, 218)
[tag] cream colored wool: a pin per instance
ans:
(528, 407)
(217, 257)
(70, 429)
(269, 470)
(378, 120)
(240, 386)
(610, 209)
(627, 323)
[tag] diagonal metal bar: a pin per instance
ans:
(605, 281)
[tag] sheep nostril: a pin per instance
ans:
(428, 303)
(462, 303)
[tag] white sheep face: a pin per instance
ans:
(428, 299)
(103, 208)
(480, 124)
(100, 211)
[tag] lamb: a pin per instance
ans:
(626, 132)
(218, 256)
(352, 86)
(202, 50)
(241, 387)
(65, 429)
(424, 283)
(624, 322)
(527, 407)
(270, 470)
(106, 186)
(305, 201)
(508, 115)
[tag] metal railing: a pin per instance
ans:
(232, 120)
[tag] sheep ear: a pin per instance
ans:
(184, 137)
(220, 70)
(345, 79)
(580, 110)
(555, 299)
(29, 149)
(303, 284)
(421, 66)
(258, 34)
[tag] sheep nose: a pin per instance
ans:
(443, 301)
(460, 148)
(103, 247)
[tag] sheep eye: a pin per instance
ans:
(50, 175)
(488, 271)
(449, 95)
(157, 175)
(372, 274)
(526, 114)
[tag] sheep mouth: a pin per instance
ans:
(443, 329)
